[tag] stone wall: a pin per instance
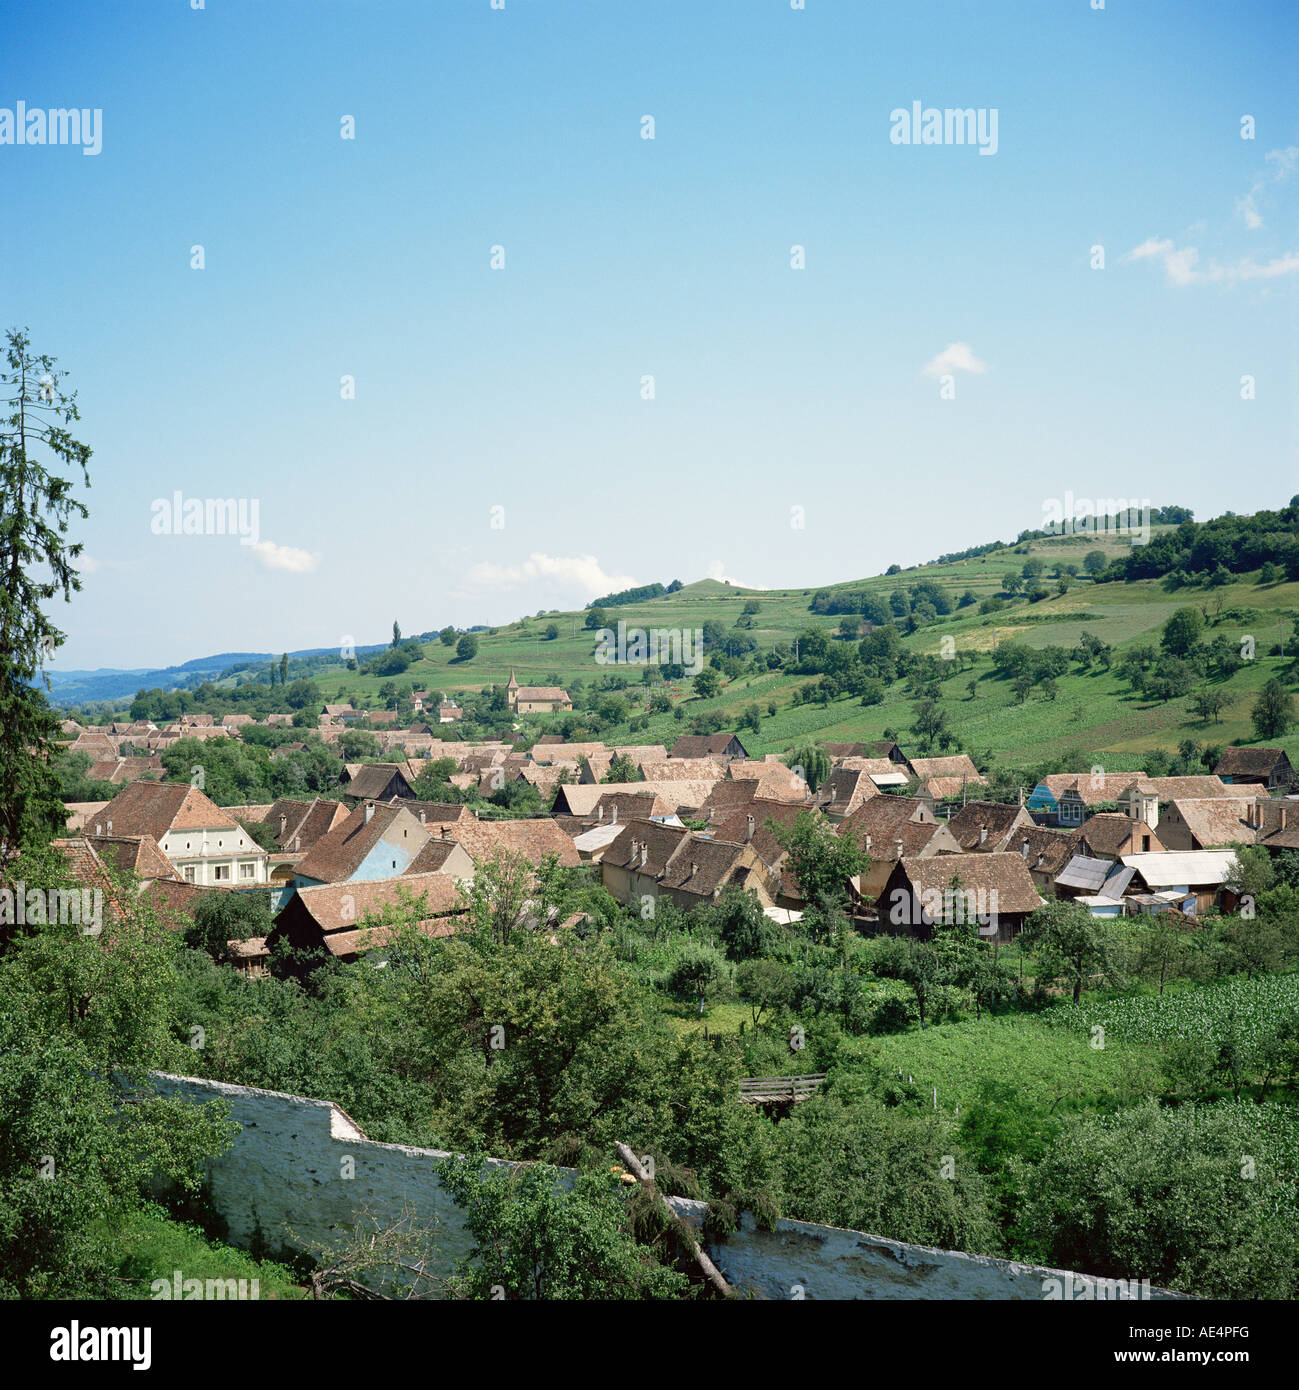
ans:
(301, 1172)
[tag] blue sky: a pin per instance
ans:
(521, 388)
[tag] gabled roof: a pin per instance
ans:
(137, 854)
(305, 822)
(702, 745)
(844, 790)
(1175, 788)
(680, 769)
(154, 808)
(1106, 834)
(1048, 850)
(1249, 762)
(533, 839)
(337, 854)
(1092, 788)
(372, 780)
(882, 818)
(1006, 875)
(976, 817)
(676, 858)
(958, 765)
(775, 781)
(1217, 821)
(339, 909)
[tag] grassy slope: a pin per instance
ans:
(1093, 712)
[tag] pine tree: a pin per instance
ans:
(36, 504)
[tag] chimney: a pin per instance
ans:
(99, 829)
(421, 815)
(369, 812)
(599, 811)
(983, 835)
(613, 814)
(644, 853)
(897, 845)
(284, 824)
(1283, 815)
(1023, 849)
(748, 828)
(297, 843)
(694, 868)
(110, 827)
(868, 844)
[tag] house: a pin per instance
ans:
(443, 855)
(1211, 822)
(1092, 788)
(375, 841)
(536, 699)
(1258, 767)
(1197, 877)
(724, 746)
(533, 840)
(120, 771)
(995, 892)
(884, 773)
(204, 843)
(235, 721)
(843, 791)
(1278, 826)
(81, 812)
(1098, 884)
(890, 828)
(297, 825)
(949, 776)
(762, 824)
(1112, 834)
(987, 827)
(375, 782)
(1166, 788)
(334, 714)
(581, 800)
(196, 721)
(330, 920)
(884, 749)
(775, 781)
(1083, 792)
(650, 860)
(1046, 852)
(448, 712)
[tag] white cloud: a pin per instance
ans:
(284, 557)
(955, 357)
(89, 565)
(572, 573)
(1181, 264)
(1282, 164)
(717, 571)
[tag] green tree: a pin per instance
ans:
(810, 761)
(1273, 711)
(467, 647)
(707, 683)
(1072, 946)
(447, 637)
(222, 917)
(537, 1239)
(1182, 632)
(1094, 562)
(552, 631)
(396, 633)
(697, 972)
(37, 451)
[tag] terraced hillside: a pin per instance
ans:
(1093, 712)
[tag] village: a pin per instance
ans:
(686, 824)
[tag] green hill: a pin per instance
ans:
(1089, 713)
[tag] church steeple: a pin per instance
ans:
(513, 685)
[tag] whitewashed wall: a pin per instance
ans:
(288, 1172)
